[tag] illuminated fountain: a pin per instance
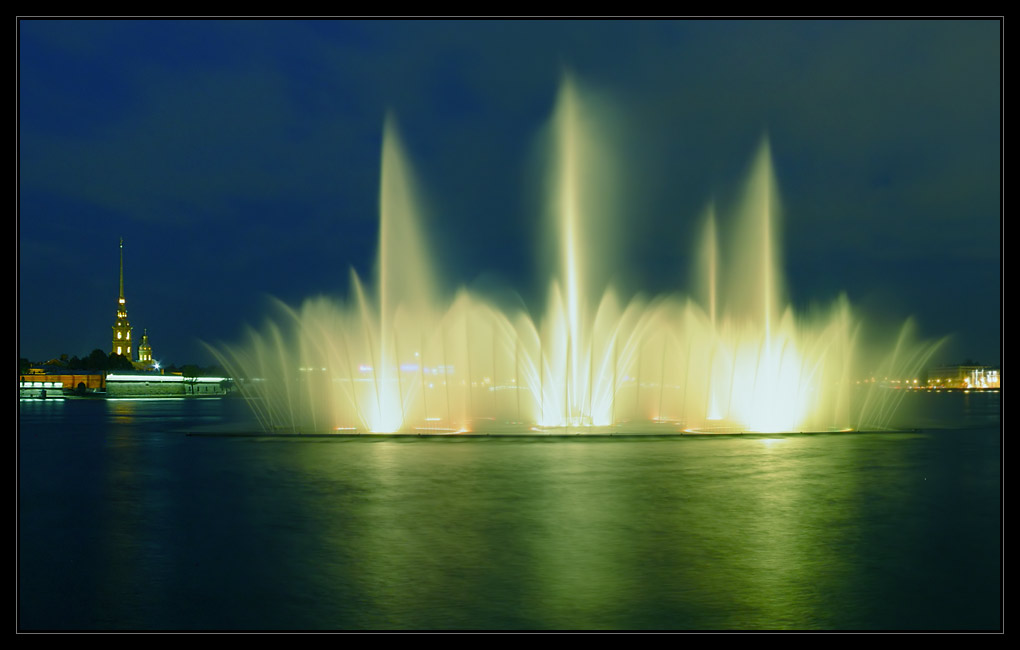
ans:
(402, 358)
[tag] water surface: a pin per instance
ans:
(126, 522)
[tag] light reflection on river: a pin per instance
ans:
(127, 523)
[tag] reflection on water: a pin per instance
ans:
(127, 523)
(923, 409)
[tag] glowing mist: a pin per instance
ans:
(398, 358)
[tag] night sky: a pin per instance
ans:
(240, 160)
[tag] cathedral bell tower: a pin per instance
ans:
(122, 328)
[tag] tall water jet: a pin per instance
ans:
(708, 270)
(404, 278)
(398, 357)
(575, 214)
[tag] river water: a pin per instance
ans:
(128, 523)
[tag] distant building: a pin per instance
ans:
(145, 361)
(122, 331)
(122, 328)
(964, 377)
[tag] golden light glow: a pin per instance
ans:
(739, 360)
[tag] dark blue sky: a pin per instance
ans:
(240, 159)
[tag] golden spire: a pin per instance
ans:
(122, 270)
(121, 342)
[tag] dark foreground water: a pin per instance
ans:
(125, 522)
